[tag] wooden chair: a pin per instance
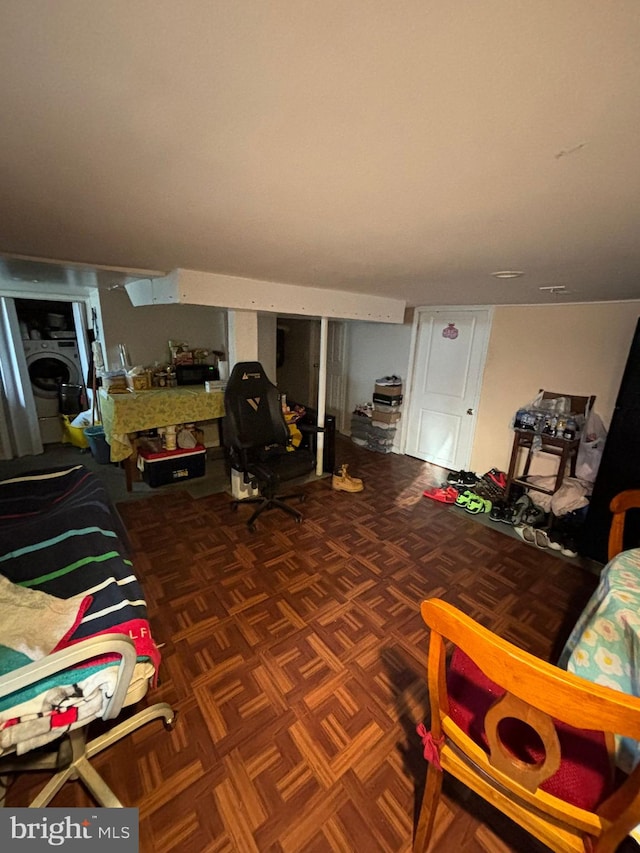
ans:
(620, 504)
(531, 739)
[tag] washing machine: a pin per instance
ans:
(51, 364)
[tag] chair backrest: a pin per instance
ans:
(619, 506)
(579, 405)
(557, 705)
(253, 413)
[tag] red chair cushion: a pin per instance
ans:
(584, 778)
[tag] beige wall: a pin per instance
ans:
(145, 330)
(574, 349)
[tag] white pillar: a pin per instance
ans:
(243, 336)
(322, 392)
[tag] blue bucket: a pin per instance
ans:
(100, 450)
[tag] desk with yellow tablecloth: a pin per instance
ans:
(124, 415)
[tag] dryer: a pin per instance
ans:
(51, 364)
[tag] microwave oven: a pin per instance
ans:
(196, 374)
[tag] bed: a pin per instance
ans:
(75, 641)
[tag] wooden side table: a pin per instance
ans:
(565, 449)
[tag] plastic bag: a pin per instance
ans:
(541, 416)
(591, 446)
(84, 419)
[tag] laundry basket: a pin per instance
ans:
(100, 450)
(73, 434)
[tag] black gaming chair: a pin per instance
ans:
(257, 440)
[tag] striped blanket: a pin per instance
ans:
(60, 536)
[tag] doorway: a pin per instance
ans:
(45, 363)
(298, 363)
(449, 352)
(298, 356)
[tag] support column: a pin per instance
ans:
(243, 336)
(322, 392)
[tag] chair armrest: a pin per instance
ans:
(620, 503)
(82, 652)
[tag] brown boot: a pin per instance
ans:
(343, 482)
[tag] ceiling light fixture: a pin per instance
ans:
(507, 274)
(555, 290)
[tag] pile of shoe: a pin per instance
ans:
(460, 491)
(530, 523)
(553, 539)
(520, 511)
(361, 424)
(473, 493)
(448, 493)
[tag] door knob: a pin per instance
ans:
(469, 411)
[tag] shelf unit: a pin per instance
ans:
(565, 449)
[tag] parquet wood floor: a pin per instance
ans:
(295, 657)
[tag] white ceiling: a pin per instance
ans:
(401, 148)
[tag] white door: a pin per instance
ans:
(448, 361)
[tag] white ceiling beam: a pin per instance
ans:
(191, 287)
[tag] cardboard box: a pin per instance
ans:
(386, 417)
(388, 390)
(388, 399)
(138, 382)
(171, 466)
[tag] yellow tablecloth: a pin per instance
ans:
(123, 414)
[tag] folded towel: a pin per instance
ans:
(35, 623)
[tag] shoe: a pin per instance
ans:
(522, 505)
(498, 511)
(469, 478)
(540, 538)
(455, 478)
(526, 534)
(509, 514)
(569, 547)
(555, 538)
(462, 478)
(476, 505)
(446, 494)
(535, 516)
(344, 482)
(497, 477)
(464, 498)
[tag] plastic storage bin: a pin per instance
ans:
(171, 466)
(100, 450)
(71, 399)
(73, 435)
